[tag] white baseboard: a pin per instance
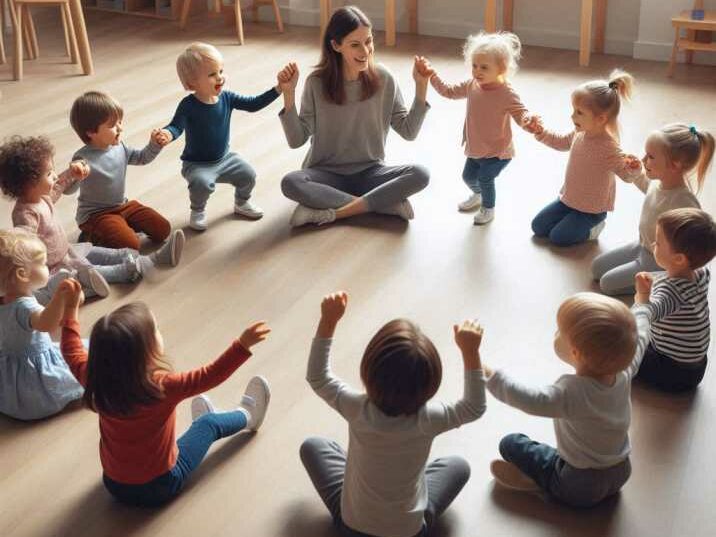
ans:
(649, 50)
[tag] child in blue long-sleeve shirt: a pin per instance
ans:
(205, 115)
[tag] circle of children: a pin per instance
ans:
(382, 485)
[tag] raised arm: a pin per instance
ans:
(548, 401)
(298, 128)
(560, 142)
(77, 171)
(643, 333)
(256, 102)
(407, 123)
(137, 157)
(73, 351)
(450, 91)
(50, 317)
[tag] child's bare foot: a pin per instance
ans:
(511, 477)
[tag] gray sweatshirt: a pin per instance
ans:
(105, 187)
(350, 138)
(384, 491)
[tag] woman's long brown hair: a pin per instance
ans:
(123, 358)
(330, 69)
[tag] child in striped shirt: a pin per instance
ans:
(491, 102)
(589, 187)
(675, 360)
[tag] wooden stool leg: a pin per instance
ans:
(74, 47)
(16, 15)
(600, 26)
(255, 11)
(325, 15)
(413, 16)
(585, 33)
(508, 13)
(3, 58)
(277, 16)
(691, 36)
(66, 30)
(27, 41)
(239, 22)
(184, 14)
(390, 23)
(674, 52)
(491, 16)
(32, 34)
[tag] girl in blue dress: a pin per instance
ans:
(35, 381)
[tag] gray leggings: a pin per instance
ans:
(325, 463)
(616, 268)
(380, 186)
(202, 177)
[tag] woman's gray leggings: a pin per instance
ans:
(380, 186)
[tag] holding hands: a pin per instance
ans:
(533, 124)
(71, 295)
(422, 69)
(643, 282)
(79, 169)
(161, 137)
(633, 163)
(333, 307)
(288, 78)
(254, 334)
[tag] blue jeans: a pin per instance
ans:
(563, 225)
(479, 174)
(193, 446)
(578, 487)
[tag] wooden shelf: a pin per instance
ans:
(686, 44)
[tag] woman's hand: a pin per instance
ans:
(288, 77)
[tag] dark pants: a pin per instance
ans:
(563, 225)
(193, 446)
(578, 487)
(480, 173)
(325, 462)
(669, 375)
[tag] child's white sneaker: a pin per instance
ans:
(483, 216)
(248, 210)
(200, 405)
(509, 476)
(255, 402)
(197, 220)
(170, 252)
(404, 210)
(305, 215)
(596, 230)
(473, 202)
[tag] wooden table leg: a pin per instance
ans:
(78, 19)
(16, 16)
(277, 16)
(413, 16)
(239, 22)
(508, 12)
(491, 16)
(691, 36)
(325, 14)
(585, 32)
(600, 26)
(3, 58)
(390, 23)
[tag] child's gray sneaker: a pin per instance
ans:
(170, 252)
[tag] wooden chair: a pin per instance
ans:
(699, 34)
(24, 31)
(3, 59)
(237, 14)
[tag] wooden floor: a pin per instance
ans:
(437, 270)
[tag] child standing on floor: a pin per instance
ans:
(604, 342)
(205, 115)
(382, 486)
(131, 387)
(676, 358)
(594, 157)
(104, 214)
(35, 381)
(491, 102)
(671, 154)
(27, 174)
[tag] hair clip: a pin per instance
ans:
(613, 85)
(692, 130)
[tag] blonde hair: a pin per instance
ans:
(605, 97)
(18, 249)
(190, 61)
(505, 47)
(690, 147)
(602, 329)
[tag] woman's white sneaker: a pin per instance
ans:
(303, 215)
(473, 202)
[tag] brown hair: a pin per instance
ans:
(605, 97)
(602, 329)
(330, 68)
(123, 358)
(92, 109)
(401, 368)
(691, 232)
(22, 163)
(692, 148)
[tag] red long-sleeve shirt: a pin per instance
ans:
(137, 448)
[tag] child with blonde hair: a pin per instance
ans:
(27, 174)
(35, 381)
(672, 154)
(604, 342)
(131, 387)
(589, 187)
(205, 115)
(685, 243)
(382, 485)
(491, 102)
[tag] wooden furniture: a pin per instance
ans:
(412, 5)
(76, 42)
(699, 34)
(236, 9)
(585, 33)
(3, 59)
(160, 9)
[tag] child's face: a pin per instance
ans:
(656, 162)
(210, 80)
(33, 276)
(356, 49)
(584, 119)
(44, 184)
(664, 254)
(108, 133)
(485, 69)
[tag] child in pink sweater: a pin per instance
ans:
(594, 157)
(491, 102)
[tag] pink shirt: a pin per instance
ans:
(589, 184)
(39, 218)
(487, 132)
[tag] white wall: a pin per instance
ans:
(656, 35)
